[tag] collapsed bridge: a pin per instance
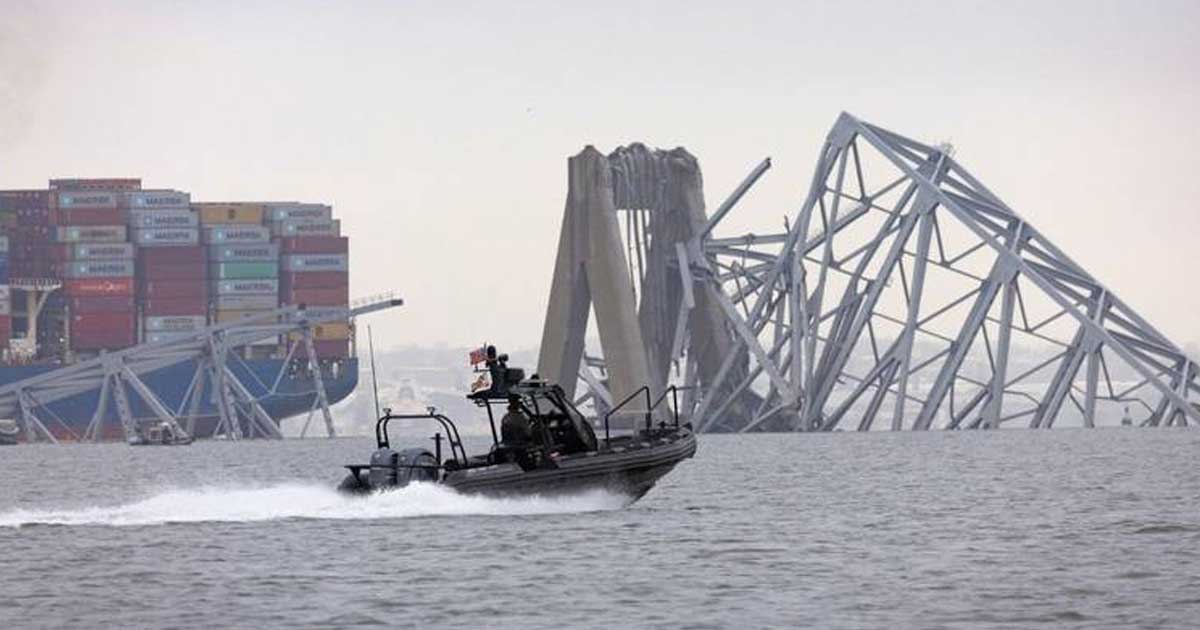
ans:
(903, 294)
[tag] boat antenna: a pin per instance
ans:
(374, 381)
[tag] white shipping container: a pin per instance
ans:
(167, 237)
(90, 234)
(157, 199)
(305, 211)
(3, 244)
(156, 219)
(314, 262)
(5, 300)
(174, 323)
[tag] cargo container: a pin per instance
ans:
(173, 255)
(18, 200)
(101, 331)
(100, 304)
(314, 245)
(106, 184)
(265, 301)
(174, 289)
(243, 270)
(79, 232)
(90, 234)
(153, 305)
(313, 280)
(260, 317)
(156, 199)
(313, 262)
(245, 287)
(98, 286)
(174, 323)
(156, 337)
(244, 253)
(301, 227)
(247, 213)
(97, 269)
(100, 216)
(162, 219)
(298, 211)
(221, 234)
(320, 297)
(95, 251)
(5, 300)
(94, 199)
(166, 237)
(179, 271)
(325, 332)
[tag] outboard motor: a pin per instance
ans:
(382, 473)
(392, 469)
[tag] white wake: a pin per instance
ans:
(294, 501)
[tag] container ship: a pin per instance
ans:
(94, 265)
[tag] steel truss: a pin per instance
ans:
(903, 291)
(214, 350)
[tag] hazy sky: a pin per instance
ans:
(439, 131)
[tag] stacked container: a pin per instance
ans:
(30, 235)
(313, 270)
(94, 259)
(5, 296)
(243, 266)
(172, 264)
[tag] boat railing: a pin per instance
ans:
(457, 451)
(651, 405)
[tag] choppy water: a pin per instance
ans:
(1095, 529)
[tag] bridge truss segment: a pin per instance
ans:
(116, 375)
(906, 294)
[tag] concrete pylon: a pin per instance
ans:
(591, 270)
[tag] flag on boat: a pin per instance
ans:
(478, 355)
(481, 383)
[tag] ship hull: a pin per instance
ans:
(284, 390)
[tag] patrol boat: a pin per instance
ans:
(545, 445)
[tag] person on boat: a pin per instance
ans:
(515, 430)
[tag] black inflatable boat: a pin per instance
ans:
(545, 446)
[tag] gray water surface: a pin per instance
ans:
(1006, 529)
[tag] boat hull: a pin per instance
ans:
(629, 467)
(283, 389)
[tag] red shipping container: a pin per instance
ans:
(194, 272)
(98, 286)
(164, 307)
(317, 297)
(175, 289)
(5, 328)
(335, 349)
(98, 216)
(195, 254)
(97, 331)
(101, 304)
(314, 245)
(313, 280)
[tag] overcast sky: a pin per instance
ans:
(439, 131)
